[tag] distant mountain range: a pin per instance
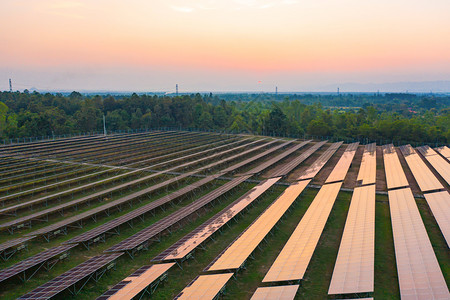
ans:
(397, 87)
(442, 87)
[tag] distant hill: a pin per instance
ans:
(408, 86)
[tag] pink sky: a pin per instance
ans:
(221, 44)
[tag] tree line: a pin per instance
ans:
(389, 117)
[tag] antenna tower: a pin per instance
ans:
(176, 87)
(10, 85)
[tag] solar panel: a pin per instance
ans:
(354, 269)
(85, 270)
(368, 168)
(160, 226)
(9, 248)
(418, 269)
(188, 243)
(288, 167)
(282, 292)
(444, 151)
(293, 260)
(438, 162)
(205, 287)
(439, 204)
(37, 260)
(320, 162)
(242, 247)
(395, 176)
(424, 177)
(340, 170)
(145, 277)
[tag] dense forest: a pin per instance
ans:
(383, 118)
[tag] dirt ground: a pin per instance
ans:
(352, 175)
(412, 182)
(380, 184)
(323, 174)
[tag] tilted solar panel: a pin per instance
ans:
(205, 287)
(71, 277)
(33, 261)
(354, 269)
(419, 274)
(137, 282)
(282, 292)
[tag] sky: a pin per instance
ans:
(221, 45)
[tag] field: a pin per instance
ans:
(138, 194)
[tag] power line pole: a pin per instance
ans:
(176, 88)
(10, 85)
(104, 125)
(276, 91)
(338, 92)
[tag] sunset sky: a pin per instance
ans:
(221, 45)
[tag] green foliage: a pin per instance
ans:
(383, 118)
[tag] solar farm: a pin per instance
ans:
(204, 215)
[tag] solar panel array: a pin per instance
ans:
(438, 162)
(188, 243)
(157, 228)
(66, 280)
(237, 253)
(112, 189)
(340, 170)
(137, 282)
(354, 269)
(418, 269)
(395, 177)
(27, 219)
(320, 162)
(368, 167)
(108, 226)
(282, 292)
(424, 177)
(205, 287)
(439, 204)
(32, 262)
(293, 260)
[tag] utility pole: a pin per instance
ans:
(176, 88)
(104, 125)
(10, 85)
